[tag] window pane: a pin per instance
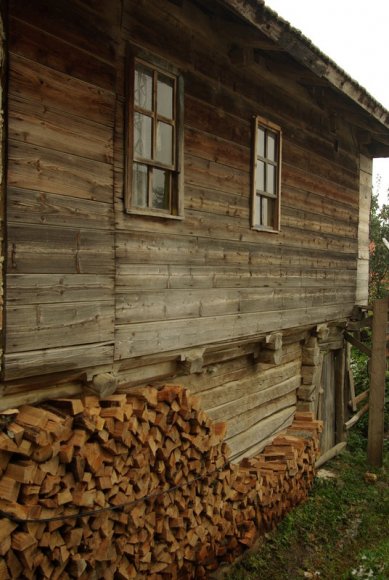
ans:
(142, 136)
(165, 96)
(161, 189)
(267, 212)
(257, 210)
(260, 177)
(139, 185)
(261, 142)
(164, 150)
(143, 87)
(270, 179)
(271, 146)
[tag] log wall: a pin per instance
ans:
(91, 289)
(3, 162)
(211, 278)
(60, 269)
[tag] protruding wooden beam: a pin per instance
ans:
(375, 444)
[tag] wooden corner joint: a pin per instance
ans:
(103, 384)
(322, 332)
(192, 361)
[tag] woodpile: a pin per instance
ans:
(138, 486)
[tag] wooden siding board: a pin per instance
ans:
(27, 289)
(54, 325)
(40, 207)
(34, 249)
(152, 337)
(44, 169)
(41, 46)
(36, 124)
(42, 362)
(70, 21)
(59, 91)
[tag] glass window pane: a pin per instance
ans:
(261, 142)
(270, 179)
(164, 145)
(267, 212)
(139, 185)
(260, 176)
(257, 210)
(271, 146)
(161, 189)
(143, 87)
(142, 135)
(165, 96)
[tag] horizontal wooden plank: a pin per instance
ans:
(145, 338)
(146, 306)
(256, 388)
(148, 248)
(325, 235)
(318, 202)
(243, 421)
(42, 362)
(49, 50)
(37, 207)
(34, 249)
(58, 288)
(58, 91)
(43, 169)
(211, 148)
(54, 325)
(36, 124)
(244, 442)
(72, 22)
(153, 276)
(215, 175)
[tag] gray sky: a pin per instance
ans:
(353, 33)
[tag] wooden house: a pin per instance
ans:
(185, 197)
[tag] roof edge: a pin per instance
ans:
(306, 53)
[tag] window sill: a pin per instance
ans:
(155, 214)
(265, 229)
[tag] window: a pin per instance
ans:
(266, 176)
(154, 180)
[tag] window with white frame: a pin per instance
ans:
(266, 176)
(155, 134)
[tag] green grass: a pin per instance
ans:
(340, 532)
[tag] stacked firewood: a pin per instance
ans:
(137, 486)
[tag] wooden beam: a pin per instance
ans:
(360, 397)
(357, 343)
(3, 137)
(355, 418)
(340, 367)
(330, 454)
(375, 444)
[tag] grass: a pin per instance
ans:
(340, 532)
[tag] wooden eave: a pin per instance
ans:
(322, 69)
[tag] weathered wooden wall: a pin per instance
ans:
(210, 278)
(60, 276)
(89, 286)
(3, 161)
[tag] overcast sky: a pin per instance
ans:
(353, 33)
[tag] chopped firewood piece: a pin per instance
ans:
(7, 444)
(9, 489)
(70, 406)
(22, 540)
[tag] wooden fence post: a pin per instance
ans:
(375, 443)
